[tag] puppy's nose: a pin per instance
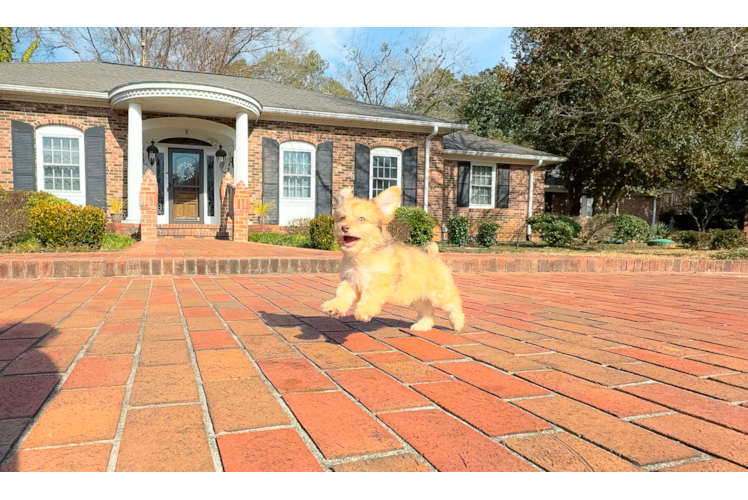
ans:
(345, 229)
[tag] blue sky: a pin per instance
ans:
(487, 45)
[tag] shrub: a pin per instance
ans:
(40, 197)
(728, 238)
(555, 229)
(399, 230)
(298, 226)
(14, 218)
(696, 240)
(67, 225)
(285, 240)
(322, 233)
(660, 230)
(630, 228)
(597, 228)
(114, 241)
(459, 230)
(487, 233)
(421, 224)
(733, 254)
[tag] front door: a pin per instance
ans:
(185, 172)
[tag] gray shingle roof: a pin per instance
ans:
(103, 77)
(470, 144)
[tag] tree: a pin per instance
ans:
(628, 116)
(420, 75)
(8, 45)
(302, 71)
(488, 111)
(208, 50)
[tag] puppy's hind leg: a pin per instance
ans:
(425, 320)
(452, 305)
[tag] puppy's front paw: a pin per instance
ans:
(364, 313)
(334, 308)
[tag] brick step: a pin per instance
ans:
(192, 231)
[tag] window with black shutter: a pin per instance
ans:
(502, 187)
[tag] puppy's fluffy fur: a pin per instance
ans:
(376, 269)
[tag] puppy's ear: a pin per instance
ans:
(388, 201)
(342, 196)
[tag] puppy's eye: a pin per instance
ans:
(361, 219)
(342, 218)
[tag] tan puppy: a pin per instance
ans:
(376, 269)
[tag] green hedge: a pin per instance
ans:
(487, 233)
(631, 228)
(67, 225)
(459, 230)
(421, 224)
(728, 239)
(322, 233)
(555, 229)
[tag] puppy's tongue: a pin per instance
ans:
(350, 241)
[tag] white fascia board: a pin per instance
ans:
(57, 92)
(508, 156)
(363, 118)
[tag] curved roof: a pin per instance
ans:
(462, 143)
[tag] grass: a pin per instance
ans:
(284, 240)
(112, 243)
(629, 250)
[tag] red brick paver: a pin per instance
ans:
(556, 372)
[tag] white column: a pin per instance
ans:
(134, 161)
(241, 152)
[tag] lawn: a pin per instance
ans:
(112, 242)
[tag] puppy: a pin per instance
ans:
(376, 269)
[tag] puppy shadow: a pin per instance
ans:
(28, 375)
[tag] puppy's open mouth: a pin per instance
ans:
(350, 241)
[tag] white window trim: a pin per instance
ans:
(298, 146)
(493, 186)
(66, 132)
(384, 151)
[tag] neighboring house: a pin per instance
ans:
(557, 201)
(82, 131)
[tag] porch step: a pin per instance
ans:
(193, 231)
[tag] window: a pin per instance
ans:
(297, 169)
(482, 182)
(385, 170)
(60, 162)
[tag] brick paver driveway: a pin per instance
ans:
(560, 372)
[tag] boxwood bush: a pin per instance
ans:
(322, 233)
(459, 230)
(14, 218)
(487, 233)
(631, 228)
(399, 230)
(727, 239)
(555, 229)
(421, 224)
(67, 225)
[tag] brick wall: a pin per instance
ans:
(512, 219)
(81, 117)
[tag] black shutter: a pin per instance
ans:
(361, 173)
(95, 147)
(270, 169)
(463, 183)
(24, 163)
(323, 186)
(410, 177)
(502, 187)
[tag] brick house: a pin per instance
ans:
(89, 131)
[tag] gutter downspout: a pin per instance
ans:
(529, 198)
(426, 175)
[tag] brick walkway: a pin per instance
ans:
(560, 372)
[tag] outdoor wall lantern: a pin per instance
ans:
(223, 164)
(445, 230)
(152, 151)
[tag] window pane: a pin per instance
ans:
(56, 156)
(66, 184)
(76, 185)
(56, 142)
(76, 171)
(211, 187)
(74, 144)
(47, 183)
(58, 183)
(297, 162)
(58, 171)
(47, 143)
(48, 172)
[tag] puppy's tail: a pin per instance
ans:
(432, 249)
